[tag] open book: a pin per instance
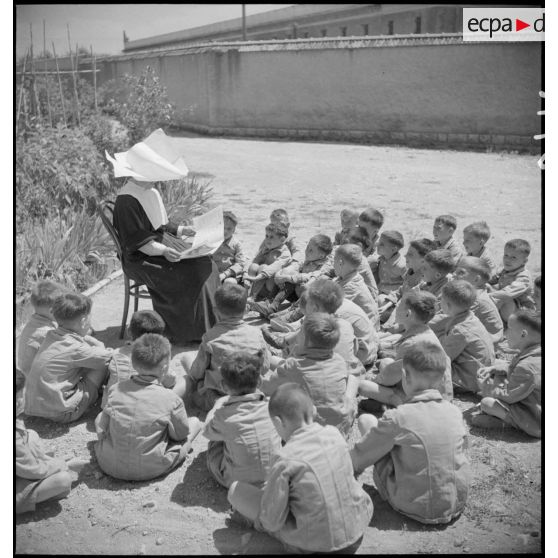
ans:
(209, 234)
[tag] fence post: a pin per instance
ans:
(73, 76)
(94, 68)
(21, 92)
(60, 85)
(46, 77)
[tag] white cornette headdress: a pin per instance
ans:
(154, 159)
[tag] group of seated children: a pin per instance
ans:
(353, 320)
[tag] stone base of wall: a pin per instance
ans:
(432, 140)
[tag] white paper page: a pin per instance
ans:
(209, 234)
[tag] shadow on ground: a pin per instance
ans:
(48, 429)
(198, 488)
(385, 518)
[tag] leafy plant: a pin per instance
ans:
(140, 103)
(185, 198)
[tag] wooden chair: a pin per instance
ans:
(105, 210)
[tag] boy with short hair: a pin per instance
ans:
(329, 297)
(272, 256)
(416, 309)
(43, 294)
(143, 432)
(345, 263)
(443, 229)
(477, 272)
(311, 501)
(68, 371)
(292, 278)
(349, 219)
(39, 477)
(391, 264)
(323, 373)
(417, 449)
(437, 265)
(242, 438)
(280, 216)
(475, 237)
(120, 367)
(371, 220)
(466, 340)
(512, 392)
(230, 333)
(229, 257)
(513, 288)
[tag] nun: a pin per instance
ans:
(181, 290)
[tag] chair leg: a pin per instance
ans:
(136, 299)
(126, 305)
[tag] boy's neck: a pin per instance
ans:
(348, 274)
(456, 312)
(412, 324)
(225, 318)
(477, 253)
(293, 427)
(529, 343)
(44, 313)
(73, 327)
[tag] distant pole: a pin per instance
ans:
(21, 91)
(46, 77)
(73, 76)
(94, 68)
(243, 22)
(60, 85)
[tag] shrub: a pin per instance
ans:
(139, 102)
(57, 168)
(185, 198)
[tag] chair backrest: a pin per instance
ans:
(106, 212)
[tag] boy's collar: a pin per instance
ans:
(425, 395)
(315, 353)
(231, 320)
(414, 329)
(349, 276)
(145, 379)
(516, 270)
(532, 348)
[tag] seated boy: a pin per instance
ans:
(414, 312)
(328, 297)
(512, 393)
(229, 257)
(68, 371)
(272, 256)
(477, 272)
(39, 477)
(321, 372)
(371, 220)
(358, 236)
(513, 289)
(311, 501)
(230, 334)
(120, 367)
(143, 431)
(242, 438)
(391, 264)
(417, 449)
(345, 263)
(466, 340)
(437, 265)
(443, 229)
(475, 237)
(43, 294)
(414, 261)
(292, 278)
(349, 219)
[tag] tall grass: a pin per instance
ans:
(185, 198)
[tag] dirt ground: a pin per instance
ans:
(187, 511)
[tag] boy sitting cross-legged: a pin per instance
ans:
(345, 263)
(120, 367)
(143, 430)
(39, 324)
(512, 393)
(242, 438)
(323, 373)
(475, 237)
(38, 476)
(413, 313)
(513, 289)
(68, 371)
(443, 229)
(229, 334)
(272, 256)
(477, 272)
(229, 257)
(417, 449)
(311, 501)
(466, 340)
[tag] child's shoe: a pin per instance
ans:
(272, 338)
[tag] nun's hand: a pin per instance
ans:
(171, 254)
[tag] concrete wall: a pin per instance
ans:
(452, 95)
